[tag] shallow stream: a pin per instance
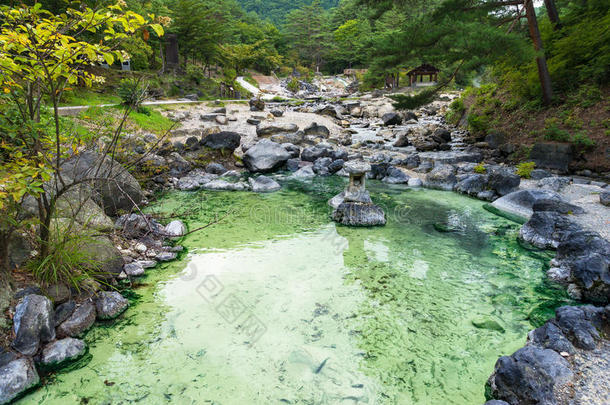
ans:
(278, 305)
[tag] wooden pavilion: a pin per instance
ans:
(421, 71)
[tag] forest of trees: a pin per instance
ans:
(537, 52)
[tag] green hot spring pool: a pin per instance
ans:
(278, 305)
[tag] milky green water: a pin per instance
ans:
(278, 305)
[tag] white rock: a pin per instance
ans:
(415, 182)
(175, 229)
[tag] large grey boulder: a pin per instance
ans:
(16, 377)
(116, 189)
(521, 202)
(556, 205)
(224, 140)
(549, 155)
(79, 321)
(531, 375)
(547, 229)
(265, 156)
(395, 176)
(586, 255)
(276, 128)
(33, 323)
(313, 153)
(110, 304)
(63, 311)
(441, 177)
(471, 184)
(495, 139)
(103, 257)
(503, 181)
(62, 351)
(263, 184)
(582, 325)
(320, 166)
(304, 173)
(391, 119)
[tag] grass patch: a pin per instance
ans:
(151, 120)
(88, 97)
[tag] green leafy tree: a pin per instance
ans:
(351, 39)
(42, 55)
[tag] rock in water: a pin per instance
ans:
(304, 173)
(17, 377)
(488, 324)
(265, 156)
(359, 214)
(33, 322)
(110, 304)
(263, 184)
(62, 351)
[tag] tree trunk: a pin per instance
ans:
(5, 238)
(543, 70)
(551, 10)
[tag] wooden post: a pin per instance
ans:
(543, 70)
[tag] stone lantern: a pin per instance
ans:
(354, 206)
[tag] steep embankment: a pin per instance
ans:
(581, 121)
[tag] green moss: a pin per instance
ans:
(524, 169)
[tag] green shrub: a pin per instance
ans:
(195, 73)
(456, 111)
(139, 52)
(478, 123)
(582, 139)
(586, 96)
(68, 262)
(132, 91)
(525, 169)
(480, 169)
(552, 132)
(293, 85)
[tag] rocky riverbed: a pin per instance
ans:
(254, 147)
